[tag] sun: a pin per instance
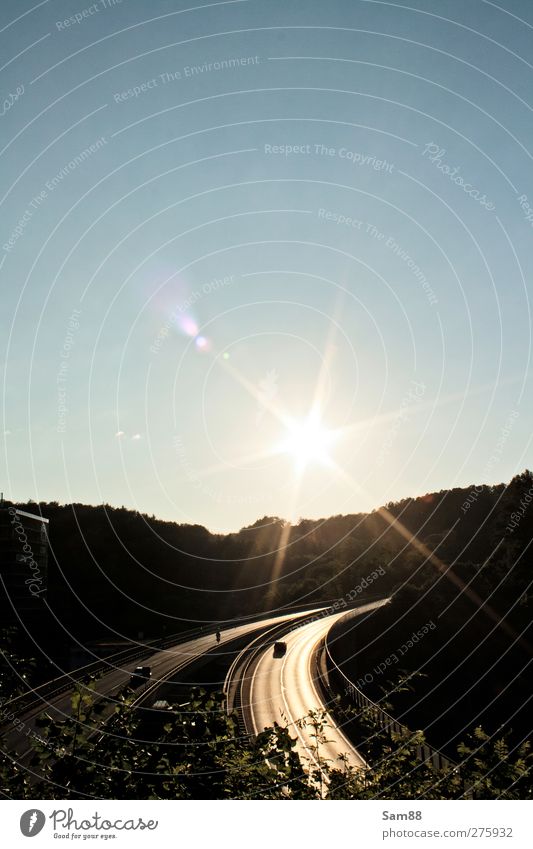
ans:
(308, 442)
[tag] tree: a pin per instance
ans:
(195, 752)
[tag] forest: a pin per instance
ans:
(459, 559)
(449, 655)
(113, 570)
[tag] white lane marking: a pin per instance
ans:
(333, 725)
(289, 714)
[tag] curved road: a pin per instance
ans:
(16, 739)
(284, 690)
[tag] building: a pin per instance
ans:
(23, 564)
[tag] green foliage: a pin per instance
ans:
(496, 769)
(105, 555)
(484, 767)
(114, 559)
(195, 752)
(15, 671)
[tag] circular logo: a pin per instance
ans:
(32, 822)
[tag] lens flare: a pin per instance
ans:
(308, 442)
(202, 343)
(188, 325)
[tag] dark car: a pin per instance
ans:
(140, 674)
(280, 647)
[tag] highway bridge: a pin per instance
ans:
(260, 686)
(266, 688)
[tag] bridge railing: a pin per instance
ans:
(67, 680)
(388, 723)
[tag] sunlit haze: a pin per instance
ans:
(241, 275)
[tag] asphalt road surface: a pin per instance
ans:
(284, 690)
(17, 738)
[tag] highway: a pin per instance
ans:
(284, 690)
(164, 663)
(269, 689)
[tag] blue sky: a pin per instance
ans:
(214, 216)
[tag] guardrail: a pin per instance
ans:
(273, 629)
(65, 682)
(388, 723)
(239, 669)
(34, 698)
(245, 658)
